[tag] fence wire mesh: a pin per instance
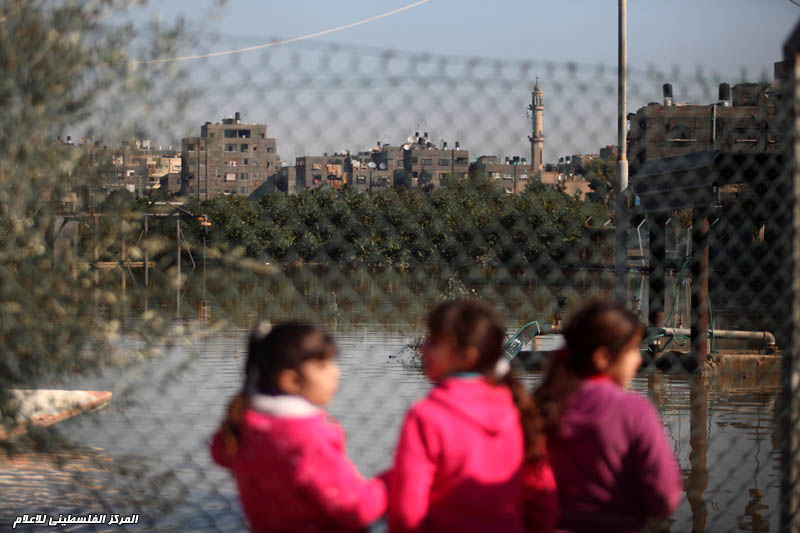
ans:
(357, 188)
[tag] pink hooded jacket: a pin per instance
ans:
(458, 461)
(613, 463)
(292, 471)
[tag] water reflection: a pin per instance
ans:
(723, 438)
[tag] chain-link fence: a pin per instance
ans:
(152, 211)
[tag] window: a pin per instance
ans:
(230, 176)
(414, 160)
(317, 178)
(262, 135)
(316, 166)
(242, 176)
(244, 134)
(427, 161)
(242, 190)
(229, 134)
(244, 162)
(679, 133)
(269, 164)
(444, 162)
(229, 148)
(230, 163)
(191, 147)
(361, 179)
(202, 147)
(130, 173)
(269, 150)
(242, 147)
(523, 177)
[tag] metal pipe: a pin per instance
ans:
(146, 255)
(178, 254)
(766, 336)
(621, 222)
(713, 127)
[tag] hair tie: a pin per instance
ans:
(261, 330)
(501, 368)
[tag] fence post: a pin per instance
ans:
(699, 304)
(790, 445)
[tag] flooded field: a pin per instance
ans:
(146, 452)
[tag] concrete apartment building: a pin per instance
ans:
(424, 165)
(374, 169)
(315, 171)
(742, 121)
(138, 168)
(512, 176)
(228, 158)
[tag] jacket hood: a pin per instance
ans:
(591, 402)
(488, 406)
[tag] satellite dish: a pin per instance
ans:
(382, 166)
(410, 139)
(406, 146)
(371, 165)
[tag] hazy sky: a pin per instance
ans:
(721, 35)
(314, 103)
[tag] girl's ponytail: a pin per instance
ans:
(529, 416)
(598, 323)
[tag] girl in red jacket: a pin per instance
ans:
(458, 465)
(286, 454)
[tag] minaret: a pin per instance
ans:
(537, 139)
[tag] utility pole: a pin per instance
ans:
(621, 216)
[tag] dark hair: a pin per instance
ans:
(286, 346)
(271, 350)
(598, 323)
(470, 323)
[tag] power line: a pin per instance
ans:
(795, 2)
(282, 42)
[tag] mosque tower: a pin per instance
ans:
(537, 139)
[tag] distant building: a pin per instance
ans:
(316, 171)
(512, 176)
(609, 153)
(424, 165)
(743, 120)
(228, 158)
(137, 167)
(374, 169)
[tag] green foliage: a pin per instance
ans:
(602, 177)
(465, 222)
(58, 313)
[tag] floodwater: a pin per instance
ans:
(146, 452)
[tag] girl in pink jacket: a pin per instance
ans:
(287, 455)
(458, 465)
(613, 464)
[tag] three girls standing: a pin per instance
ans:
(477, 454)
